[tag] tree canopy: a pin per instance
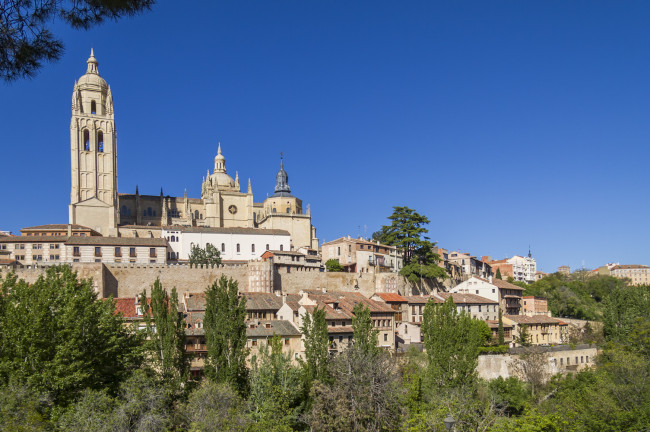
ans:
(26, 41)
(408, 234)
(208, 256)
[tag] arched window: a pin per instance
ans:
(149, 211)
(100, 142)
(288, 209)
(238, 247)
(274, 210)
(86, 140)
(124, 210)
(267, 247)
(196, 214)
(173, 238)
(281, 247)
(93, 107)
(253, 248)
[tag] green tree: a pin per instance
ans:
(316, 338)
(501, 334)
(275, 389)
(523, 338)
(451, 340)
(498, 275)
(58, 338)
(364, 333)
(225, 334)
(407, 233)
(25, 40)
(165, 336)
(622, 308)
(333, 265)
(216, 407)
(23, 410)
(209, 256)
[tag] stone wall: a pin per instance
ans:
(94, 271)
(507, 365)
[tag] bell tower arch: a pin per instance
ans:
(93, 195)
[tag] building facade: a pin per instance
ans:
(95, 202)
(362, 256)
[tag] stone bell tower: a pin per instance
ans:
(93, 196)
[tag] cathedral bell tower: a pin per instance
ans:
(93, 196)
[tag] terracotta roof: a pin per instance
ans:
(392, 297)
(348, 300)
(280, 327)
(494, 324)
(536, 319)
(7, 261)
(194, 301)
(35, 239)
(115, 241)
(126, 306)
(629, 266)
(505, 285)
(460, 298)
(330, 312)
(340, 329)
(194, 323)
(233, 230)
(420, 299)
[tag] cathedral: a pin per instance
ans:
(95, 202)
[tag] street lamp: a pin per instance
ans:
(449, 422)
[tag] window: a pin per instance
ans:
(286, 341)
(196, 214)
(281, 247)
(93, 107)
(254, 342)
(238, 248)
(149, 211)
(98, 251)
(338, 250)
(385, 337)
(100, 142)
(123, 211)
(561, 362)
(267, 247)
(132, 252)
(479, 308)
(288, 210)
(223, 247)
(75, 251)
(349, 248)
(86, 140)
(152, 252)
(253, 248)
(53, 246)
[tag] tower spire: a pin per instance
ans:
(92, 63)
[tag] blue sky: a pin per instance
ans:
(508, 124)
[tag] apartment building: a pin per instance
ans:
(637, 274)
(470, 265)
(362, 256)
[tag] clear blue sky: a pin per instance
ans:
(507, 123)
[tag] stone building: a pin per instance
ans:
(95, 202)
(362, 256)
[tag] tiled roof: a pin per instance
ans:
(56, 227)
(280, 327)
(536, 319)
(392, 297)
(340, 329)
(34, 239)
(330, 312)
(277, 252)
(126, 306)
(460, 298)
(420, 299)
(233, 230)
(505, 284)
(194, 323)
(262, 301)
(348, 300)
(629, 266)
(115, 241)
(194, 301)
(7, 261)
(494, 324)
(357, 241)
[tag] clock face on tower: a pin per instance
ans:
(232, 209)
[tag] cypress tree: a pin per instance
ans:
(365, 335)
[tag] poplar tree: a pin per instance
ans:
(165, 327)
(316, 337)
(502, 339)
(364, 334)
(451, 340)
(224, 325)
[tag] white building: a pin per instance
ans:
(508, 295)
(234, 244)
(523, 268)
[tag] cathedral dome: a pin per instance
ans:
(91, 77)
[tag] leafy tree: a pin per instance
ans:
(484, 331)
(225, 334)
(451, 340)
(25, 40)
(498, 275)
(501, 334)
(208, 256)
(216, 407)
(58, 338)
(622, 308)
(165, 336)
(333, 265)
(511, 394)
(408, 234)
(94, 411)
(523, 338)
(364, 333)
(143, 405)
(316, 339)
(23, 409)
(275, 389)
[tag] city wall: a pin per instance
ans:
(127, 279)
(507, 365)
